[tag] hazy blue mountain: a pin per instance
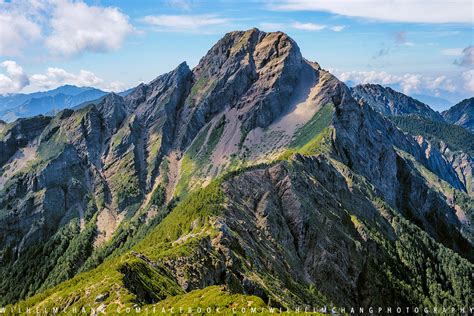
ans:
(436, 103)
(14, 106)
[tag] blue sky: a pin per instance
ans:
(417, 46)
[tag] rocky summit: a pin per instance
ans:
(256, 179)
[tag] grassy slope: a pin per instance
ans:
(315, 136)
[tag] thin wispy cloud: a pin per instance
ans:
(384, 51)
(452, 51)
(338, 28)
(421, 11)
(401, 39)
(186, 22)
(270, 26)
(185, 5)
(308, 26)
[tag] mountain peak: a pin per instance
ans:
(461, 114)
(252, 46)
(390, 102)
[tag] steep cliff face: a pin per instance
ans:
(461, 114)
(313, 189)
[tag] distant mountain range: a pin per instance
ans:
(49, 102)
(434, 102)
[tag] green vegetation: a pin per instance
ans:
(191, 215)
(214, 297)
(198, 155)
(320, 121)
(78, 250)
(424, 272)
(198, 86)
(125, 182)
(320, 144)
(128, 234)
(437, 275)
(5, 129)
(64, 250)
(459, 198)
(128, 279)
(456, 137)
(314, 137)
(158, 197)
(153, 153)
(106, 279)
(149, 283)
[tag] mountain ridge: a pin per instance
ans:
(390, 102)
(461, 114)
(253, 163)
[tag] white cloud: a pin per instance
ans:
(17, 30)
(409, 83)
(467, 59)
(184, 22)
(55, 77)
(468, 77)
(14, 78)
(181, 4)
(337, 28)
(452, 51)
(308, 26)
(77, 27)
(423, 11)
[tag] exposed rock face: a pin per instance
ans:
(334, 171)
(19, 134)
(461, 114)
(251, 71)
(463, 164)
(390, 102)
(280, 229)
